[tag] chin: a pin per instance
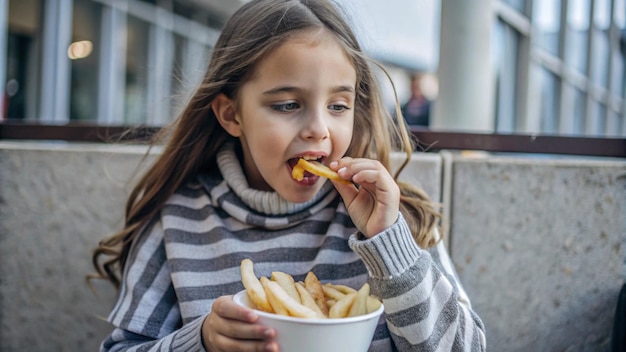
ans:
(299, 196)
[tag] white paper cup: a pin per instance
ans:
(353, 334)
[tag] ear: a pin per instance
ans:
(226, 114)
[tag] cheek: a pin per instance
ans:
(344, 135)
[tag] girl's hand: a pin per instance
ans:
(375, 204)
(230, 327)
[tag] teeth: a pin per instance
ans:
(306, 157)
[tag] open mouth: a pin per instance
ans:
(292, 162)
(308, 177)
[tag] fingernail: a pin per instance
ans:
(342, 170)
(333, 164)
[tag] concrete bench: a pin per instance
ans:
(538, 242)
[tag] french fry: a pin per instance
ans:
(359, 307)
(308, 301)
(342, 288)
(342, 307)
(333, 293)
(253, 286)
(287, 283)
(276, 304)
(295, 309)
(373, 304)
(313, 285)
(315, 168)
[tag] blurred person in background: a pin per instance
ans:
(416, 110)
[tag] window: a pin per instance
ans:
(84, 54)
(109, 63)
(569, 76)
(24, 45)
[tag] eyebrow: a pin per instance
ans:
(288, 89)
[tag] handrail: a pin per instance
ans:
(427, 140)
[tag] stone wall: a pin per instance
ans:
(538, 242)
(539, 245)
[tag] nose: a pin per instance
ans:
(315, 125)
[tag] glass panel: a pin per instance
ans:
(136, 71)
(602, 16)
(507, 42)
(613, 127)
(549, 103)
(600, 58)
(620, 13)
(519, 5)
(598, 122)
(23, 57)
(617, 74)
(578, 26)
(579, 112)
(546, 15)
(85, 55)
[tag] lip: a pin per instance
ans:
(319, 156)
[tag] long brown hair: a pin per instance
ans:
(193, 140)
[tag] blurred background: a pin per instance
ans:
(505, 66)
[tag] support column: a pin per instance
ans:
(55, 85)
(466, 73)
(112, 75)
(4, 34)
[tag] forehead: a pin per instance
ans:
(306, 50)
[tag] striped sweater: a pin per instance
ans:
(190, 255)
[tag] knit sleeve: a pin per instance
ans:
(146, 316)
(426, 307)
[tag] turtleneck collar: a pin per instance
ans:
(269, 203)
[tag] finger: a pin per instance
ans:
(348, 192)
(243, 331)
(226, 308)
(224, 343)
(234, 321)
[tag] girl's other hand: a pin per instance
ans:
(375, 203)
(230, 327)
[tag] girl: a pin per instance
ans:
(287, 79)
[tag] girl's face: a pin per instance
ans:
(299, 102)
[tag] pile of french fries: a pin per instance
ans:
(281, 294)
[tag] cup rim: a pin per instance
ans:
(241, 298)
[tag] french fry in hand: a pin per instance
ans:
(315, 168)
